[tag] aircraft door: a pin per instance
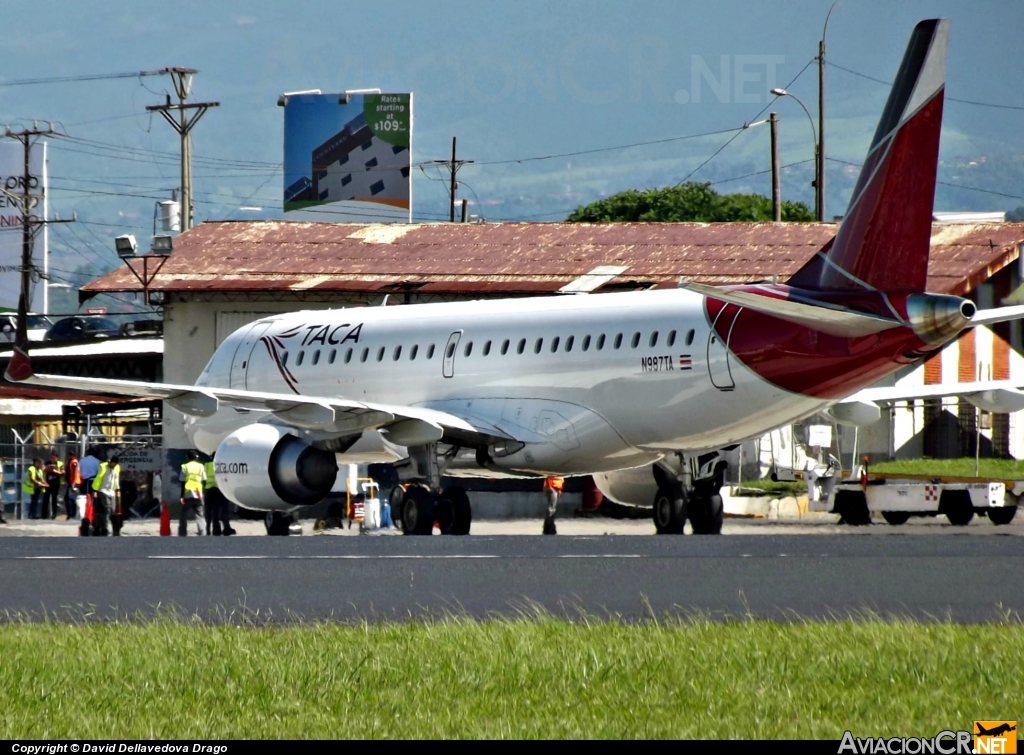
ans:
(448, 366)
(243, 355)
(718, 348)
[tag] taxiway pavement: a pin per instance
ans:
(966, 574)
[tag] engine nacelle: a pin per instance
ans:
(268, 468)
(630, 487)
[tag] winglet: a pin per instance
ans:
(20, 367)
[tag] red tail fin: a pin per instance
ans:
(884, 238)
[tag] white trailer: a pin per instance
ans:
(899, 497)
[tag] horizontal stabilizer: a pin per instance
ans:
(836, 322)
(999, 314)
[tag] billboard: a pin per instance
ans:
(348, 158)
(12, 183)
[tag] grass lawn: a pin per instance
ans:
(996, 469)
(506, 678)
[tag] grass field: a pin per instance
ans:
(516, 678)
(996, 469)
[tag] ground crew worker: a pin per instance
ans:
(73, 479)
(552, 490)
(90, 468)
(54, 475)
(106, 496)
(215, 505)
(193, 477)
(33, 484)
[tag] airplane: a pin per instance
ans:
(638, 389)
(995, 731)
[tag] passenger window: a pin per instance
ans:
(654, 339)
(635, 341)
(348, 356)
(469, 349)
(672, 338)
(554, 345)
(586, 343)
(451, 351)
(539, 345)
(415, 350)
(600, 342)
(299, 358)
(334, 355)
(487, 348)
(316, 357)
(430, 351)
(689, 337)
(504, 347)
(569, 342)
(380, 354)
(398, 353)
(284, 359)
(618, 340)
(365, 354)
(522, 346)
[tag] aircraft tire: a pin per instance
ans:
(417, 511)
(1002, 515)
(707, 515)
(395, 500)
(669, 512)
(896, 518)
(461, 511)
(277, 523)
(957, 506)
(852, 506)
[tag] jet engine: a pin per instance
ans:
(630, 487)
(269, 468)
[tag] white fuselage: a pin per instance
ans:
(590, 383)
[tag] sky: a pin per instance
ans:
(543, 96)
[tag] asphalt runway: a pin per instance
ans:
(307, 578)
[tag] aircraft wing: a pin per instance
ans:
(836, 322)
(402, 425)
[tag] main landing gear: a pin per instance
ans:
(415, 510)
(688, 490)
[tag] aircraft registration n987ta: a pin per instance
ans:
(638, 389)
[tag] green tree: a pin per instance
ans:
(689, 202)
(1016, 215)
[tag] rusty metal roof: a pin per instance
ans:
(274, 255)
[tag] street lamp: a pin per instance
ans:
(818, 208)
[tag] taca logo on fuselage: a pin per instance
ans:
(335, 335)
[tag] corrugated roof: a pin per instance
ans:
(275, 255)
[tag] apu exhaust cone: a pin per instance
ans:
(936, 318)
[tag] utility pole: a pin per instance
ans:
(820, 177)
(773, 119)
(453, 168)
(29, 224)
(183, 124)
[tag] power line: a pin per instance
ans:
(87, 77)
(733, 138)
(951, 99)
(611, 149)
(945, 183)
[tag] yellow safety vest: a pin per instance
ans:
(33, 478)
(193, 473)
(97, 483)
(211, 480)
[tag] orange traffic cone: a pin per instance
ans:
(165, 519)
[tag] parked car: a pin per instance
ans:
(80, 328)
(37, 327)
